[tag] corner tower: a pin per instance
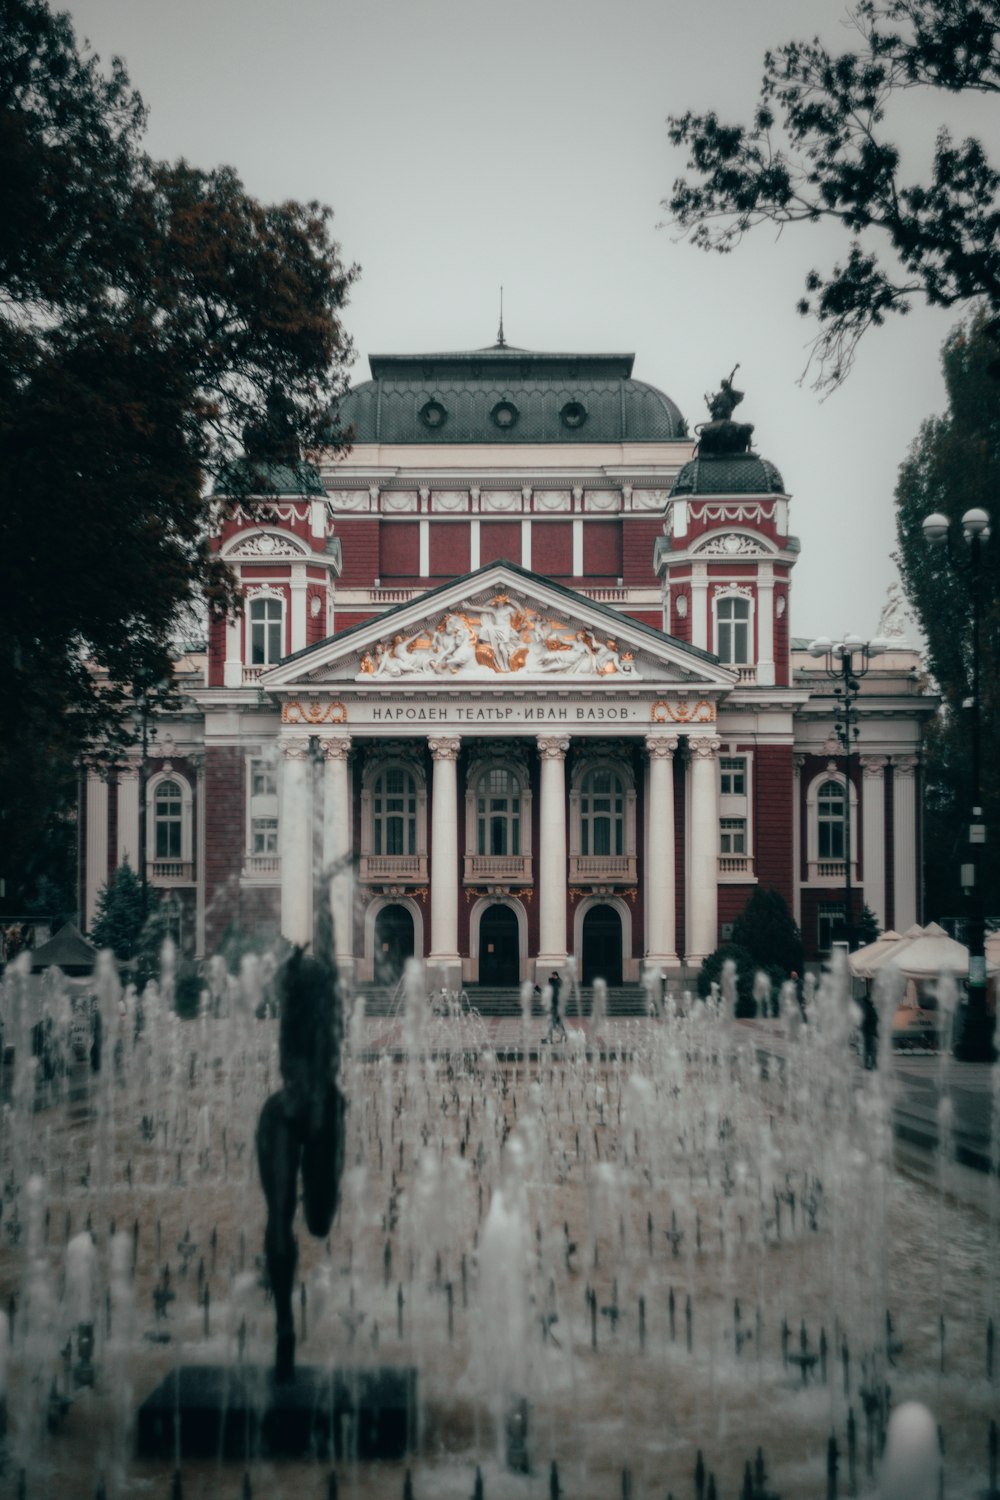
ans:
(726, 557)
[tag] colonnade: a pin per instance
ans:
(551, 865)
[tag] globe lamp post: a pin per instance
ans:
(845, 662)
(975, 1044)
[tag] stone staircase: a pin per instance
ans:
(623, 1000)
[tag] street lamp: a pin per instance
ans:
(845, 662)
(976, 1041)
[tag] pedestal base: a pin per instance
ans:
(238, 1412)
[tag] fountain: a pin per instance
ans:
(670, 1256)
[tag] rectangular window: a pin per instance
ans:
(830, 920)
(264, 834)
(733, 776)
(733, 836)
(263, 779)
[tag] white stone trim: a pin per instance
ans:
(630, 960)
(481, 905)
(367, 965)
(828, 872)
(187, 828)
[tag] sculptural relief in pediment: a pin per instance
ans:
(501, 637)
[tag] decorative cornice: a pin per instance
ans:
(683, 711)
(313, 711)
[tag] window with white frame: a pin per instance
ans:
(168, 821)
(732, 836)
(263, 818)
(602, 813)
(733, 775)
(263, 836)
(830, 820)
(266, 631)
(732, 629)
(394, 811)
(829, 924)
(498, 812)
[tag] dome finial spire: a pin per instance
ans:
(501, 341)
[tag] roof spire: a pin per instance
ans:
(501, 341)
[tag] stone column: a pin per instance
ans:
(798, 761)
(699, 605)
(661, 925)
(97, 843)
(295, 840)
(904, 853)
(298, 588)
(444, 958)
(765, 625)
(232, 672)
(337, 845)
(703, 847)
(128, 821)
(552, 856)
(873, 833)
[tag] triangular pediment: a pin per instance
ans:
(502, 626)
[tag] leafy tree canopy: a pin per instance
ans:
(767, 929)
(152, 316)
(952, 467)
(819, 148)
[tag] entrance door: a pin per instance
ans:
(498, 947)
(602, 945)
(393, 943)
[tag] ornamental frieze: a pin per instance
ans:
(682, 711)
(313, 711)
(499, 638)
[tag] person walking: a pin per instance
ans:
(555, 1019)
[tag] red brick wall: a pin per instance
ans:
(224, 802)
(449, 547)
(602, 550)
(680, 625)
(652, 617)
(552, 549)
(680, 863)
(638, 541)
(782, 664)
(399, 552)
(772, 793)
(732, 900)
(315, 623)
(216, 651)
(359, 538)
(499, 539)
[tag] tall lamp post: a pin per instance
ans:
(976, 1041)
(845, 662)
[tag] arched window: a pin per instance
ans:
(830, 820)
(394, 812)
(266, 620)
(168, 821)
(732, 629)
(602, 813)
(498, 812)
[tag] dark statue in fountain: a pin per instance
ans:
(301, 1129)
(722, 434)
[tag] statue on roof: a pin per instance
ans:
(722, 434)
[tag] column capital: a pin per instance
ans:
(905, 765)
(873, 766)
(704, 746)
(553, 746)
(662, 746)
(335, 746)
(444, 747)
(293, 747)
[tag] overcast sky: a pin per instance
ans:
(464, 144)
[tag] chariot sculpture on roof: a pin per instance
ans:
(722, 434)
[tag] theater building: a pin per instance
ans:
(519, 669)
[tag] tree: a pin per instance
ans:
(767, 929)
(119, 921)
(152, 317)
(953, 466)
(818, 148)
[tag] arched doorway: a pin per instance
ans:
(393, 943)
(602, 945)
(498, 946)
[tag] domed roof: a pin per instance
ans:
(506, 395)
(728, 474)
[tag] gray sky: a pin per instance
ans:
(463, 145)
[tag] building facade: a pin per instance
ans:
(518, 669)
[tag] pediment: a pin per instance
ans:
(503, 626)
